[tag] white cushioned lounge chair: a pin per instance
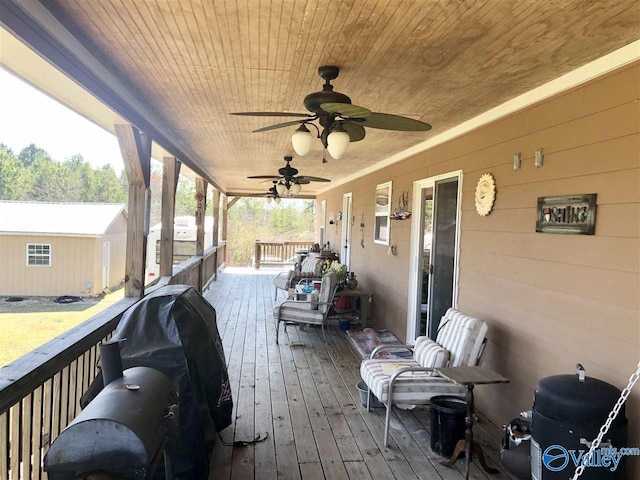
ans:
(460, 341)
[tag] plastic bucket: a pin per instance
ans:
(363, 389)
(447, 423)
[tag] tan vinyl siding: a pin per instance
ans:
(71, 266)
(551, 301)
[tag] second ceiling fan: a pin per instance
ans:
(288, 182)
(340, 120)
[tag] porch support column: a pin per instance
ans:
(216, 229)
(136, 155)
(201, 207)
(225, 217)
(170, 174)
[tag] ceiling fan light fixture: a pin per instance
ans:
(295, 188)
(281, 188)
(302, 140)
(337, 141)
(277, 200)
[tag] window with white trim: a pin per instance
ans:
(38, 255)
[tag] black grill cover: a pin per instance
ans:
(174, 331)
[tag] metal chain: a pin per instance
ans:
(614, 413)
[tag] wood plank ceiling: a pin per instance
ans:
(440, 61)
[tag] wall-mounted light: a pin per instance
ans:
(339, 216)
(517, 161)
(539, 158)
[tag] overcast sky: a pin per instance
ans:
(29, 116)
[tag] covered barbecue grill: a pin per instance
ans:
(173, 330)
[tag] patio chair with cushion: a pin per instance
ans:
(310, 268)
(313, 310)
(460, 342)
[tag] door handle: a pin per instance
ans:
(431, 269)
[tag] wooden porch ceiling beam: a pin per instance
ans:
(136, 155)
(37, 27)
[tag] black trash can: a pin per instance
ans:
(447, 423)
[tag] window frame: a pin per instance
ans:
(39, 255)
(382, 212)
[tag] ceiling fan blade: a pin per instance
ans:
(312, 179)
(346, 109)
(356, 131)
(270, 114)
(267, 177)
(303, 181)
(386, 121)
(277, 125)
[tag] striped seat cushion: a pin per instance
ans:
(429, 354)
(290, 313)
(411, 388)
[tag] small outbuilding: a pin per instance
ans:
(53, 249)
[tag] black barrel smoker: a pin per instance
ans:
(568, 412)
(122, 432)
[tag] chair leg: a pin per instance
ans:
(324, 334)
(386, 423)
(275, 296)
(368, 399)
(277, 330)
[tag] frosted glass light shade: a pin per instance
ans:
(302, 140)
(337, 142)
(277, 200)
(269, 200)
(281, 188)
(295, 188)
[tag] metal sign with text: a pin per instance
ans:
(569, 214)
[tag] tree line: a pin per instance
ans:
(33, 175)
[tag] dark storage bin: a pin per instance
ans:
(447, 423)
(567, 411)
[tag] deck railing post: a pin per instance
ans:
(257, 255)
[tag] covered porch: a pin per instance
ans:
(502, 87)
(305, 398)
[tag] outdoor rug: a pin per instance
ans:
(366, 340)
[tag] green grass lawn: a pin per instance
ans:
(27, 325)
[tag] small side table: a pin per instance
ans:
(364, 302)
(470, 377)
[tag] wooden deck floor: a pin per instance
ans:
(305, 397)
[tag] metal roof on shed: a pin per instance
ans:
(57, 218)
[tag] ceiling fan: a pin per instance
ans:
(270, 195)
(288, 182)
(340, 120)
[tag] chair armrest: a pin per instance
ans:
(403, 370)
(383, 347)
